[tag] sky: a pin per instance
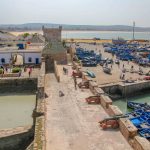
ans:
(80, 12)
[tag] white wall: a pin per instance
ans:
(33, 57)
(6, 56)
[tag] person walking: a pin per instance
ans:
(75, 82)
(30, 71)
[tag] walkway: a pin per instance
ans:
(72, 124)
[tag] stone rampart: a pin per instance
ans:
(39, 113)
(57, 74)
(16, 138)
(18, 84)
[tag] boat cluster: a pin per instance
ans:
(130, 52)
(140, 117)
(88, 58)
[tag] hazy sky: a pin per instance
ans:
(96, 12)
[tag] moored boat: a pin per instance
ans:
(91, 74)
(145, 133)
(134, 105)
(107, 70)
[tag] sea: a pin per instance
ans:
(104, 35)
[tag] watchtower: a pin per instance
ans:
(52, 34)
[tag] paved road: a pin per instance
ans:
(71, 124)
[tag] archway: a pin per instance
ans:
(17, 60)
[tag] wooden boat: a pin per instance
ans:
(91, 74)
(134, 105)
(137, 121)
(140, 117)
(107, 70)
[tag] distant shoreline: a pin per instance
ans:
(33, 30)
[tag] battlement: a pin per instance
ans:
(52, 34)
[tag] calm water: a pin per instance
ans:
(16, 110)
(104, 35)
(122, 104)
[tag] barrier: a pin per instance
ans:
(105, 101)
(92, 85)
(57, 74)
(10, 75)
(39, 115)
(114, 111)
(127, 129)
(141, 143)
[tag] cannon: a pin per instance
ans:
(84, 84)
(93, 100)
(111, 122)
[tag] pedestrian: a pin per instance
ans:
(123, 76)
(118, 64)
(29, 73)
(64, 70)
(123, 66)
(20, 73)
(132, 67)
(75, 82)
(25, 69)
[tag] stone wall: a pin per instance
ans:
(141, 143)
(18, 84)
(41, 82)
(61, 58)
(57, 74)
(128, 89)
(131, 89)
(39, 114)
(16, 138)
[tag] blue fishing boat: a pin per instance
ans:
(91, 74)
(145, 133)
(107, 70)
(134, 105)
(137, 121)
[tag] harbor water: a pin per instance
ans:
(104, 35)
(122, 103)
(16, 110)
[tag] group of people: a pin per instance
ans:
(65, 71)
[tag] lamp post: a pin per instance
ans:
(133, 31)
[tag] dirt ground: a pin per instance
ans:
(103, 78)
(72, 124)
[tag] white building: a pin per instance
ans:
(29, 56)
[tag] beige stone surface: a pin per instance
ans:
(72, 124)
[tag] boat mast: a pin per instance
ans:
(133, 31)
